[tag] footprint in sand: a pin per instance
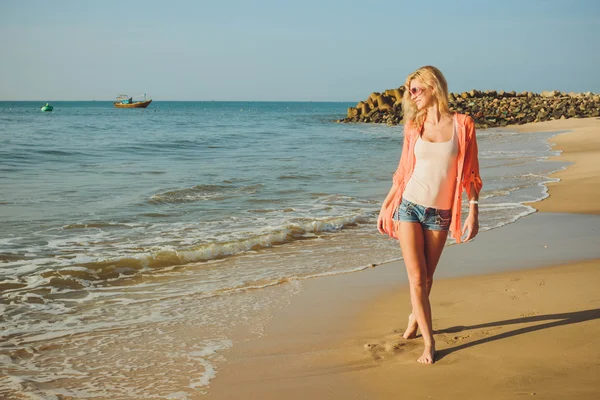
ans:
(488, 331)
(456, 339)
(528, 314)
(394, 347)
(375, 350)
(379, 349)
(371, 346)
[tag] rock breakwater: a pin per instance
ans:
(488, 108)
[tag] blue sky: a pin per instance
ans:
(303, 50)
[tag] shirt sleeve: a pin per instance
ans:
(471, 164)
(400, 171)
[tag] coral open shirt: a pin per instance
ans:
(468, 171)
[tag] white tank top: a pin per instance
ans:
(433, 179)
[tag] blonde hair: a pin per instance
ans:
(433, 79)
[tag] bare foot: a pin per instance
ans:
(428, 356)
(411, 329)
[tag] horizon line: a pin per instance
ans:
(199, 101)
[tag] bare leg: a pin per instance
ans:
(434, 242)
(434, 245)
(411, 327)
(414, 249)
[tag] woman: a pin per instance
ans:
(439, 160)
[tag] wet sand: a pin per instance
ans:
(516, 312)
(579, 188)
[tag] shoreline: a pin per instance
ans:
(339, 337)
(579, 181)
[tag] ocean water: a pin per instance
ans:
(138, 245)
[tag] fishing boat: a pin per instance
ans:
(124, 101)
(47, 107)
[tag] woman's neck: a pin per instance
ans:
(434, 115)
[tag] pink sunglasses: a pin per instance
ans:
(414, 92)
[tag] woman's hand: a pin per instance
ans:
(382, 223)
(471, 225)
(385, 224)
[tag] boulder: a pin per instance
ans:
(550, 93)
(385, 107)
(398, 93)
(383, 100)
(364, 109)
(373, 96)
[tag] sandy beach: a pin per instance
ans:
(522, 320)
(194, 213)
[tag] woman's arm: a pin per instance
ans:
(472, 221)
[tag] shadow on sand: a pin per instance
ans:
(556, 320)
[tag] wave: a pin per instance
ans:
(9, 257)
(298, 177)
(99, 225)
(58, 152)
(167, 260)
(202, 192)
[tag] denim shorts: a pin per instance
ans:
(430, 218)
